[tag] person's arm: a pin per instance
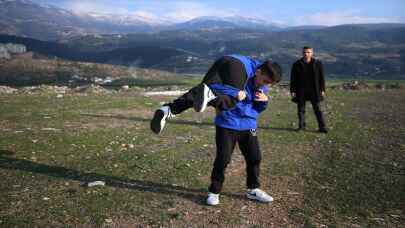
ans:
(293, 80)
(321, 79)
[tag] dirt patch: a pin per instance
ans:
(237, 211)
(92, 89)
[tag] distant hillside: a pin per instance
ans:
(372, 51)
(361, 51)
(27, 72)
(143, 56)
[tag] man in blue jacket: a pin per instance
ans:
(237, 86)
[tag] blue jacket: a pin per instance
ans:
(244, 115)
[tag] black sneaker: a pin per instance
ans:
(202, 96)
(159, 119)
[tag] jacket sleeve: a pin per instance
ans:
(260, 106)
(293, 79)
(321, 77)
(228, 90)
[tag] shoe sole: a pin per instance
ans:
(199, 104)
(212, 204)
(156, 123)
(256, 199)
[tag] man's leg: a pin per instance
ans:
(184, 102)
(228, 71)
(249, 146)
(175, 107)
(225, 141)
(319, 115)
(301, 115)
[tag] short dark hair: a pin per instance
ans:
(272, 69)
(306, 47)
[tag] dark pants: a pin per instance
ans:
(317, 111)
(249, 145)
(226, 70)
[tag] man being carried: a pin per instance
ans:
(236, 86)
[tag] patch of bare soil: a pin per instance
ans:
(235, 209)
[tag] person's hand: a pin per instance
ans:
(241, 95)
(322, 93)
(260, 96)
(293, 94)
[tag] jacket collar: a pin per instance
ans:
(311, 62)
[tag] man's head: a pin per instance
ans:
(307, 53)
(269, 73)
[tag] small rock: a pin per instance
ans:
(125, 87)
(45, 198)
(108, 220)
(50, 129)
(96, 183)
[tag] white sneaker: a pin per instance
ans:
(213, 199)
(203, 95)
(259, 195)
(159, 119)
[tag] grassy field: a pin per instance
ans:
(50, 148)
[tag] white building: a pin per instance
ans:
(16, 48)
(4, 53)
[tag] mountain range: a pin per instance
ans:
(28, 19)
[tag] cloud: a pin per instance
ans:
(175, 11)
(342, 17)
(187, 10)
(86, 6)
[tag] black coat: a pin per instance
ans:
(297, 83)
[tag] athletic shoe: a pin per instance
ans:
(259, 195)
(213, 199)
(159, 119)
(202, 96)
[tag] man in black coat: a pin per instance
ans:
(308, 84)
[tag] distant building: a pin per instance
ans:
(4, 53)
(10, 48)
(16, 48)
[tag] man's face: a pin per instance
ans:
(307, 53)
(262, 79)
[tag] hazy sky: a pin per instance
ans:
(289, 12)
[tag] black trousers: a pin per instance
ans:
(226, 140)
(225, 70)
(317, 110)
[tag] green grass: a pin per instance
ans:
(353, 175)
